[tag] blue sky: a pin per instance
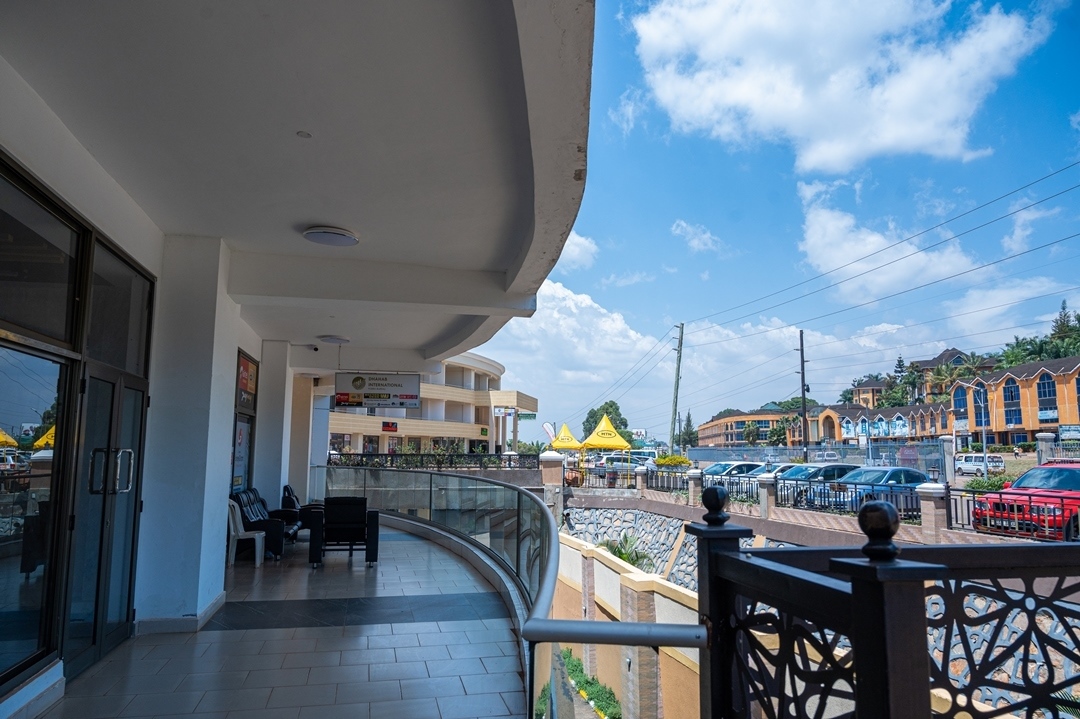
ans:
(740, 150)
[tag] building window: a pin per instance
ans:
(1018, 437)
(1011, 391)
(959, 403)
(944, 421)
(1046, 391)
(982, 412)
(1013, 417)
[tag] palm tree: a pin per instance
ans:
(972, 364)
(942, 378)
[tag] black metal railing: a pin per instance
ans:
(436, 461)
(847, 632)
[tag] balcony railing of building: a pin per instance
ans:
(952, 631)
(436, 461)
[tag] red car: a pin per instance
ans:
(1044, 503)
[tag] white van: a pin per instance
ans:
(973, 464)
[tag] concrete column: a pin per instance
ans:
(641, 665)
(766, 496)
(641, 478)
(300, 436)
(949, 447)
(932, 499)
(1044, 448)
(273, 422)
(320, 430)
(189, 438)
(588, 608)
(693, 485)
(468, 378)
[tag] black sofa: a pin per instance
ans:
(279, 524)
(346, 523)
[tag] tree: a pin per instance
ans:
(751, 433)
(724, 413)
(688, 435)
(794, 404)
(777, 435)
(847, 396)
(531, 447)
(913, 381)
(611, 409)
(1065, 324)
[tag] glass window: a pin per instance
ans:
(944, 420)
(959, 402)
(1047, 394)
(1046, 388)
(982, 412)
(119, 313)
(37, 265)
(29, 387)
(1011, 391)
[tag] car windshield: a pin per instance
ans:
(1049, 478)
(799, 472)
(867, 476)
(719, 468)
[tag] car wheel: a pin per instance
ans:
(1072, 529)
(978, 472)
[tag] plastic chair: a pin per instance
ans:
(236, 532)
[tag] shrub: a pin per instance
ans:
(542, 702)
(1028, 446)
(988, 484)
(672, 460)
(601, 696)
(626, 549)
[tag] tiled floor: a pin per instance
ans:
(419, 635)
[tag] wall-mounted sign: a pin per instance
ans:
(527, 415)
(377, 390)
(1048, 414)
(389, 426)
(1069, 431)
(483, 432)
(247, 381)
(506, 412)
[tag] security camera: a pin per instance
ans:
(314, 348)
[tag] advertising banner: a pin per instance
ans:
(1048, 414)
(1069, 431)
(527, 415)
(377, 390)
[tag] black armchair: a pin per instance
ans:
(347, 524)
(279, 524)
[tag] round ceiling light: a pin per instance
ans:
(333, 339)
(333, 236)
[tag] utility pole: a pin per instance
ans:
(802, 390)
(675, 398)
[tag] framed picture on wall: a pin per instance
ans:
(247, 386)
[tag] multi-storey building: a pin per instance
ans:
(853, 423)
(951, 357)
(729, 429)
(868, 392)
(464, 406)
(1013, 405)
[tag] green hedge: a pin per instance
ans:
(602, 697)
(672, 460)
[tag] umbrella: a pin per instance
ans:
(46, 440)
(605, 437)
(6, 440)
(565, 440)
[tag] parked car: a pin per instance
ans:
(793, 486)
(892, 484)
(771, 471)
(1044, 503)
(726, 469)
(973, 464)
(826, 456)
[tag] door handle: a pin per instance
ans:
(131, 471)
(93, 463)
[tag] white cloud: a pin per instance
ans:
(631, 105)
(579, 253)
(831, 238)
(996, 306)
(704, 276)
(1017, 240)
(1074, 121)
(626, 279)
(841, 81)
(669, 270)
(698, 238)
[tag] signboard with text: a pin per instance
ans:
(377, 390)
(1069, 431)
(526, 415)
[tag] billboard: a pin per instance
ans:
(377, 390)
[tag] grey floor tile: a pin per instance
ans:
(305, 696)
(435, 638)
(287, 646)
(398, 670)
(341, 643)
(433, 688)
(421, 654)
(515, 702)
(276, 678)
(497, 665)
(165, 638)
(455, 667)
(212, 680)
(192, 665)
(233, 700)
(252, 634)
(153, 704)
(475, 705)
(477, 684)
(416, 627)
(153, 684)
(391, 641)
(337, 711)
(89, 707)
(349, 674)
(367, 656)
(312, 659)
(231, 649)
(368, 692)
(276, 713)
(411, 708)
(318, 632)
(169, 651)
(250, 662)
(491, 635)
(132, 668)
(464, 651)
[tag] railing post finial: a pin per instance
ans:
(715, 499)
(879, 521)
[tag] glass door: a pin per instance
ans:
(104, 521)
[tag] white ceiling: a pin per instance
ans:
(449, 135)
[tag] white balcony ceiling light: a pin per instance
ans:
(333, 339)
(333, 236)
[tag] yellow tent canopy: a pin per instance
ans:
(6, 440)
(565, 440)
(46, 440)
(605, 437)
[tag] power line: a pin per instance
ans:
(907, 239)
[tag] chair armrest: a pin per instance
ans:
(289, 516)
(311, 514)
